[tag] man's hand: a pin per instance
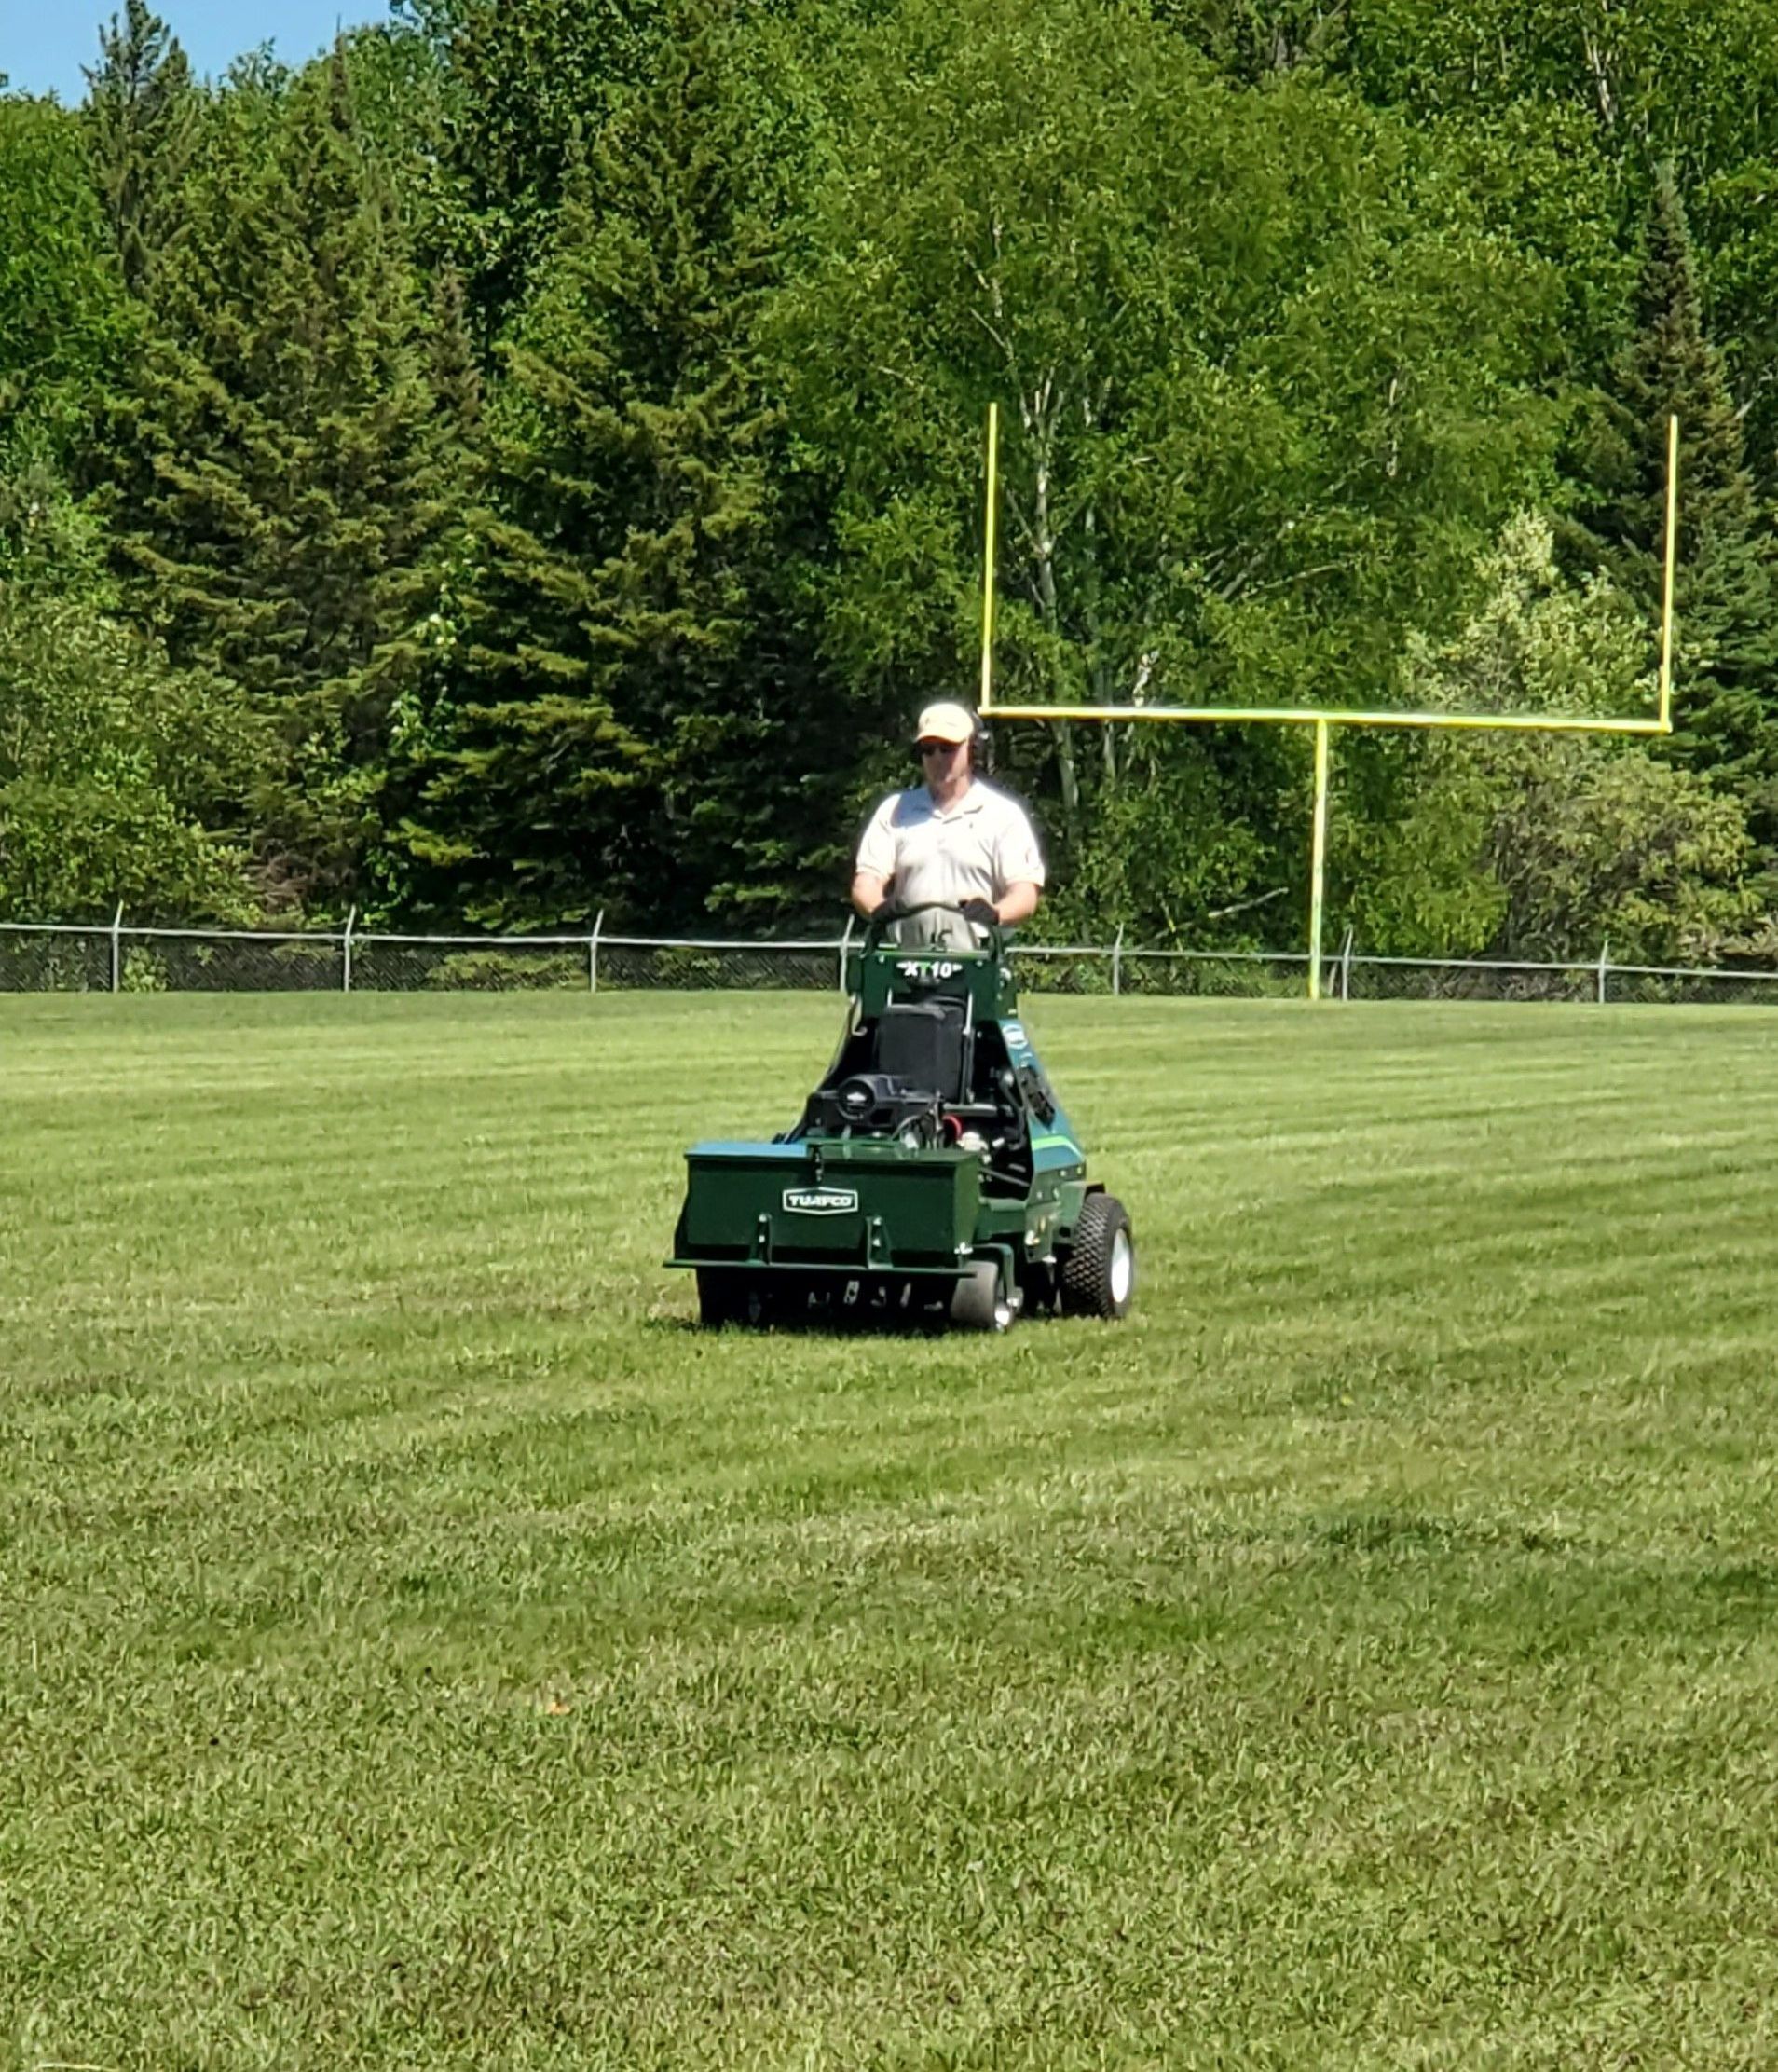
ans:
(982, 912)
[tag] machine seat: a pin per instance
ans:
(920, 1042)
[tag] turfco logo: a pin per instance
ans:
(821, 1201)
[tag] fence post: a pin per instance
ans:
(345, 944)
(845, 951)
(1117, 963)
(116, 949)
(1345, 966)
(1604, 965)
(593, 953)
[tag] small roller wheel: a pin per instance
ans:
(1098, 1276)
(979, 1301)
(731, 1294)
(1041, 1282)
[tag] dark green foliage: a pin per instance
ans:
(1268, 383)
(560, 420)
(1252, 40)
(616, 722)
(457, 379)
(121, 779)
(1540, 847)
(141, 115)
(1668, 368)
(1727, 590)
(281, 465)
(523, 78)
(62, 317)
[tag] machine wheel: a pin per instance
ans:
(1098, 1276)
(979, 1301)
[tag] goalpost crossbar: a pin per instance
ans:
(1324, 718)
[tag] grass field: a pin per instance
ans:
(421, 1648)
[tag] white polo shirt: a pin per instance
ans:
(983, 845)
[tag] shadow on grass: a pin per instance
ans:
(817, 1324)
(799, 1311)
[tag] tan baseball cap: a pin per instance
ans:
(946, 722)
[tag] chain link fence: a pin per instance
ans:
(1600, 982)
(1179, 974)
(50, 958)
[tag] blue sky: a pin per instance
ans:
(43, 43)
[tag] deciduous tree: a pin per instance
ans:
(1268, 383)
(1543, 847)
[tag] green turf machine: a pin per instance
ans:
(932, 1177)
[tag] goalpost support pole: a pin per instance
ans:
(1670, 545)
(1318, 862)
(988, 560)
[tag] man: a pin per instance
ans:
(953, 838)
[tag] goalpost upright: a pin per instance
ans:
(1324, 718)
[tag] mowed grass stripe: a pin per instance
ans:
(424, 1649)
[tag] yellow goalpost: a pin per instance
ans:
(1326, 720)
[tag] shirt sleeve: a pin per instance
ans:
(877, 845)
(1017, 860)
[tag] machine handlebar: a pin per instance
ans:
(889, 912)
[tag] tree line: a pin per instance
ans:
(527, 461)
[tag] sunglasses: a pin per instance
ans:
(936, 748)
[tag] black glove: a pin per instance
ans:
(982, 912)
(890, 910)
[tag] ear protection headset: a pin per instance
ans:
(981, 748)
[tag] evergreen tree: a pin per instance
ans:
(140, 121)
(523, 78)
(280, 472)
(1726, 707)
(614, 701)
(457, 378)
